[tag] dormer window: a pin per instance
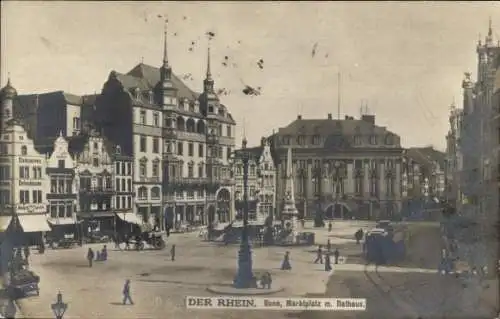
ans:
(388, 140)
(192, 107)
(185, 102)
(118, 149)
(150, 97)
(137, 93)
(357, 140)
(286, 140)
(316, 139)
(210, 109)
(301, 140)
(196, 106)
(373, 139)
(181, 105)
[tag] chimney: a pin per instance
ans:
(299, 117)
(329, 116)
(368, 118)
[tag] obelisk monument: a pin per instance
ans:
(290, 211)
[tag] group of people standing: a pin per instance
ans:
(99, 255)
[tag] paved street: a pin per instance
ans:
(159, 285)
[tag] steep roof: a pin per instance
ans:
(427, 156)
(329, 126)
(146, 77)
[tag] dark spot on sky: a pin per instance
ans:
(315, 47)
(184, 18)
(226, 57)
(175, 34)
(192, 43)
(159, 16)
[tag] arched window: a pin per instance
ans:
(142, 192)
(190, 125)
(181, 124)
(24, 150)
(200, 127)
(155, 192)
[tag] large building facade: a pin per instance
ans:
(342, 168)
(24, 184)
(180, 141)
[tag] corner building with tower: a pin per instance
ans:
(180, 141)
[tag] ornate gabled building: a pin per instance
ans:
(180, 141)
(261, 181)
(23, 183)
(94, 172)
(63, 192)
(343, 168)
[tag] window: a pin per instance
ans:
(129, 169)
(190, 149)
(53, 185)
(252, 170)
(156, 168)
(390, 186)
(53, 211)
(61, 211)
(228, 129)
(373, 186)
(156, 145)
(199, 193)
(200, 170)
(373, 140)
(37, 196)
(190, 170)
(76, 123)
(24, 150)
(117, 169)
(142, 193)
(123, 202)
(61, 164)
(117, 202)
(315, 140)
(301, 140)
(357, 140)
(129, 202)
(142, 117)
(200, 150)
(129, 185)
(117, 184)
(95, 162)
(388, 140)
(180, 150)
(142, 144)
(156, 119)
(24, 172)
(24, 197)
(123, 186)
(143, 169)
(228, 155)
(155, 193)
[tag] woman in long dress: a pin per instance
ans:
(285, 265)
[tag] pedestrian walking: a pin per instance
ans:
(358, 235)
(336, 255)
(90, 256)
(126, 293)
(104, 253)
(328, 263)
(319, 255)
(27, 255)
(330, 226)
(303, 223)
(328, 246)
(127, 242)
(285, 265)
(172, 253)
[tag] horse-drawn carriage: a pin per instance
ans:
(23, 282)
(151, 238)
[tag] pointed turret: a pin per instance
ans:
(489, 38)
(208, 82)
(8, 91)
(166, 70)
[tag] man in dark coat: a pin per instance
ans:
(319, 255)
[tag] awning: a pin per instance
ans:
(61, 221)
(4, 222)
(130, 218)
(34, 223)
(221, 226)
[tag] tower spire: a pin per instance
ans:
(489, 37)
(209, 72)
(165, 52)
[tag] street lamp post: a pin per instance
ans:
(59, 307)
(318, 218)
(244, 277)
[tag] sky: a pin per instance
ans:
(403, 61)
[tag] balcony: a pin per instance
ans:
(188, 181)
(169, 133)
(97, 190)
(144, 179)
(213, 138)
